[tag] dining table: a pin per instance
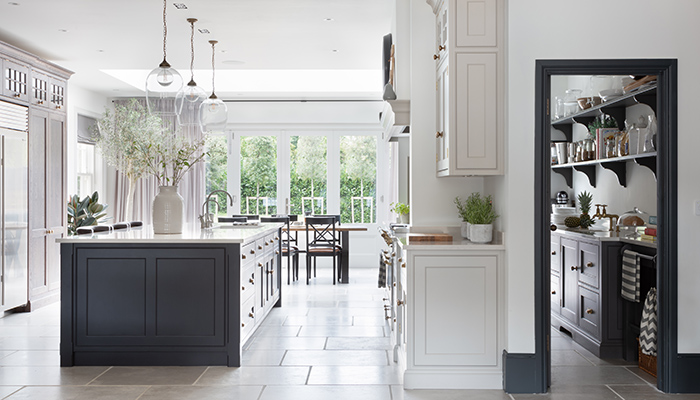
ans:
(344, 230)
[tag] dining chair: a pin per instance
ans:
(322, 241)
(289, 250)
(337, 221)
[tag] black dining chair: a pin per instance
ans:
(337, 222)
(289, 250)
(322, 241)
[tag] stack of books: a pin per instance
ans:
(649, 232)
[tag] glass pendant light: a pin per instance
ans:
(163, 83)
(191, 96)
(213, 112)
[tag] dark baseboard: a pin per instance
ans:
(687, 373)
(522, 373)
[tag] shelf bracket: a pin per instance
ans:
(619, 168)
(649, 162)
(566, 130)
(589, 170)
(584, 120)
(648, 99)
(567, 173)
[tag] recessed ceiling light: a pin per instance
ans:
(12, 3)
(63, 30)
(328, 19)
(334, 50)
(180, 6)
(100, 51)
(204, 31)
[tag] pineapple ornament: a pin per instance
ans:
(585, 200)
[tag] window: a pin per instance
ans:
(358, 179)
(308, 174)
(216, 170)
(258, 175)
(86, 170)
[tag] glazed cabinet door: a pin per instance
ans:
(455, 297)
(15, 80)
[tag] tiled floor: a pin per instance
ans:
(327, 342)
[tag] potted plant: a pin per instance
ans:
(86, 212)
(465, 210)
(479, 213)
(402, 210)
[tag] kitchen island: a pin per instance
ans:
(132, 297)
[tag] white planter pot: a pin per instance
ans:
(402, 218)
(168, 210)
(464, 229)
(479, 233)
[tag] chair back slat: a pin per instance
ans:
(321, 232)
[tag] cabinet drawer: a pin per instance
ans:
(555, 293)
(589, 269)
(248, 253)
(269, 243)
(589, 319)
(247, 283)
(555, 255)
(247, 318)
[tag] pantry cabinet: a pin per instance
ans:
(469, 87)
(585, 287)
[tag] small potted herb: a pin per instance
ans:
(402, 210)
(478, 215)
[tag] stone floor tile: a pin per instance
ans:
(79, 393)
(342, 331)
(38, 376)
(150, 376)
(287, 343)
(367, 392)
(572, 392)
(202, 393)
(32, 357)
(353, 375)
(254, 376)
(398, 393)
(336, 357)
(359, 343)
(569, 357)
(262, 357)
(593, 375)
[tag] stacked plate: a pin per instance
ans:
(559, 215)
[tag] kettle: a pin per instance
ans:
(562, 197)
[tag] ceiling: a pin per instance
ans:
(268, 49)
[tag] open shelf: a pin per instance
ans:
(617, 164)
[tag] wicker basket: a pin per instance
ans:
(647, 363)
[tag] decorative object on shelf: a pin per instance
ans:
(402, 210)
(86, 212)
(650, 137)
(601, 121)
(121, 135)
(478, 212)
(585, 200)
(630, 222)
(168, 210)
(191, 96)
(213, 113)
(571, 101)
(164, 82)
(389, 93)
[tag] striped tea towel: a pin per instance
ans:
(381, 281)
(630, 276)
(647, 329)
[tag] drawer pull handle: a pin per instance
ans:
(260, 265)
(400, 303)
(251, 281)
(277, 252)
(270, 271)
(387, 318)
(439, 134)
(243, 256)
(385, 298)
(554, 292)
(589, 264)
(589, 311)
(242, 324)
(574, 268)
(277, 238)
(400, 259)
(251, 315)
(242, 287)
(436, 56)
(554, 253)
(403, 265)
(252, 252)
(441, 47)
(259, 247)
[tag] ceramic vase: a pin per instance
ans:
(403, 218)
(168, 210)
(464, 229)
(481, 233)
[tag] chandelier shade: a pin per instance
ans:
(191, 96)
(213, 113)
(164, 82)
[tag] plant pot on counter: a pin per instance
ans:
(481, 233)
(168, 210)
(464, 229)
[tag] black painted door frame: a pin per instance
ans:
(670, 378)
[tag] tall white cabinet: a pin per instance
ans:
(470, 87)
(452, 302)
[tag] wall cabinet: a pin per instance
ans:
(452, 303)
(585, 287)
(40, 85)
(469, 103)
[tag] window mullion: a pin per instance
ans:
(333, 157)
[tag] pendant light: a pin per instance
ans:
(189, 98)
(163, 83)
(213, 112)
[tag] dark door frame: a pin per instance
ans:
(670, 378)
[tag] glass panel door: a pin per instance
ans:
(358, 179)
(258, 175)
(308, 174)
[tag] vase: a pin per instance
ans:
(464, 229)
(481, 233)
(403, 218)
(168, 210)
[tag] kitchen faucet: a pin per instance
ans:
(206, 221)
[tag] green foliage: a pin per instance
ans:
(308, 173)
(258, 172)
(216, 170)
(86, 212)
(399, 208)
(476, 209)
(171, 155)
(601, 121)
(584, 201)
(358, 162)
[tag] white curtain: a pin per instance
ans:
(192, 187)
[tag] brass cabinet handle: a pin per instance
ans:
(260, 265)
(58, 107)
(400, 259)
(403, 265)
(277, 251)
(243, 256)
(439, 134)
(252, 252)
(554, 292)
(554, 253)
(385, 298)
(271, 271)
(589, 264)
(400, 303)
(387, 317)
(251, 281)
(16, 95)
(574, 268)
(259, 247)
(441, 47)
(277, 238)
(40, 102)
(242, 324)
(436, 56)
(251, 315)
(589, 311)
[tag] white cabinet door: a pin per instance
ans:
(475, 23)
(456, 297)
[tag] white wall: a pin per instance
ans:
(552, 29)
(431, 199)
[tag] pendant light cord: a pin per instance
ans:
(213, 42)
(192, 21)
(165, 29)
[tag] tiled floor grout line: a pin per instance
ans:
(200, 376)
(144, 392)
(283, 356)
(308, 376)
(97, 377)
(613, 390)
(325, 344)
(261, 392)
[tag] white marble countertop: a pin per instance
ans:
(191, 233)
(457, 243)
(606, 236)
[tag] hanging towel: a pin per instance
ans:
(647, 329)
(382, 273)
(630, 276)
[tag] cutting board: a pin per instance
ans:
(428, 237)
